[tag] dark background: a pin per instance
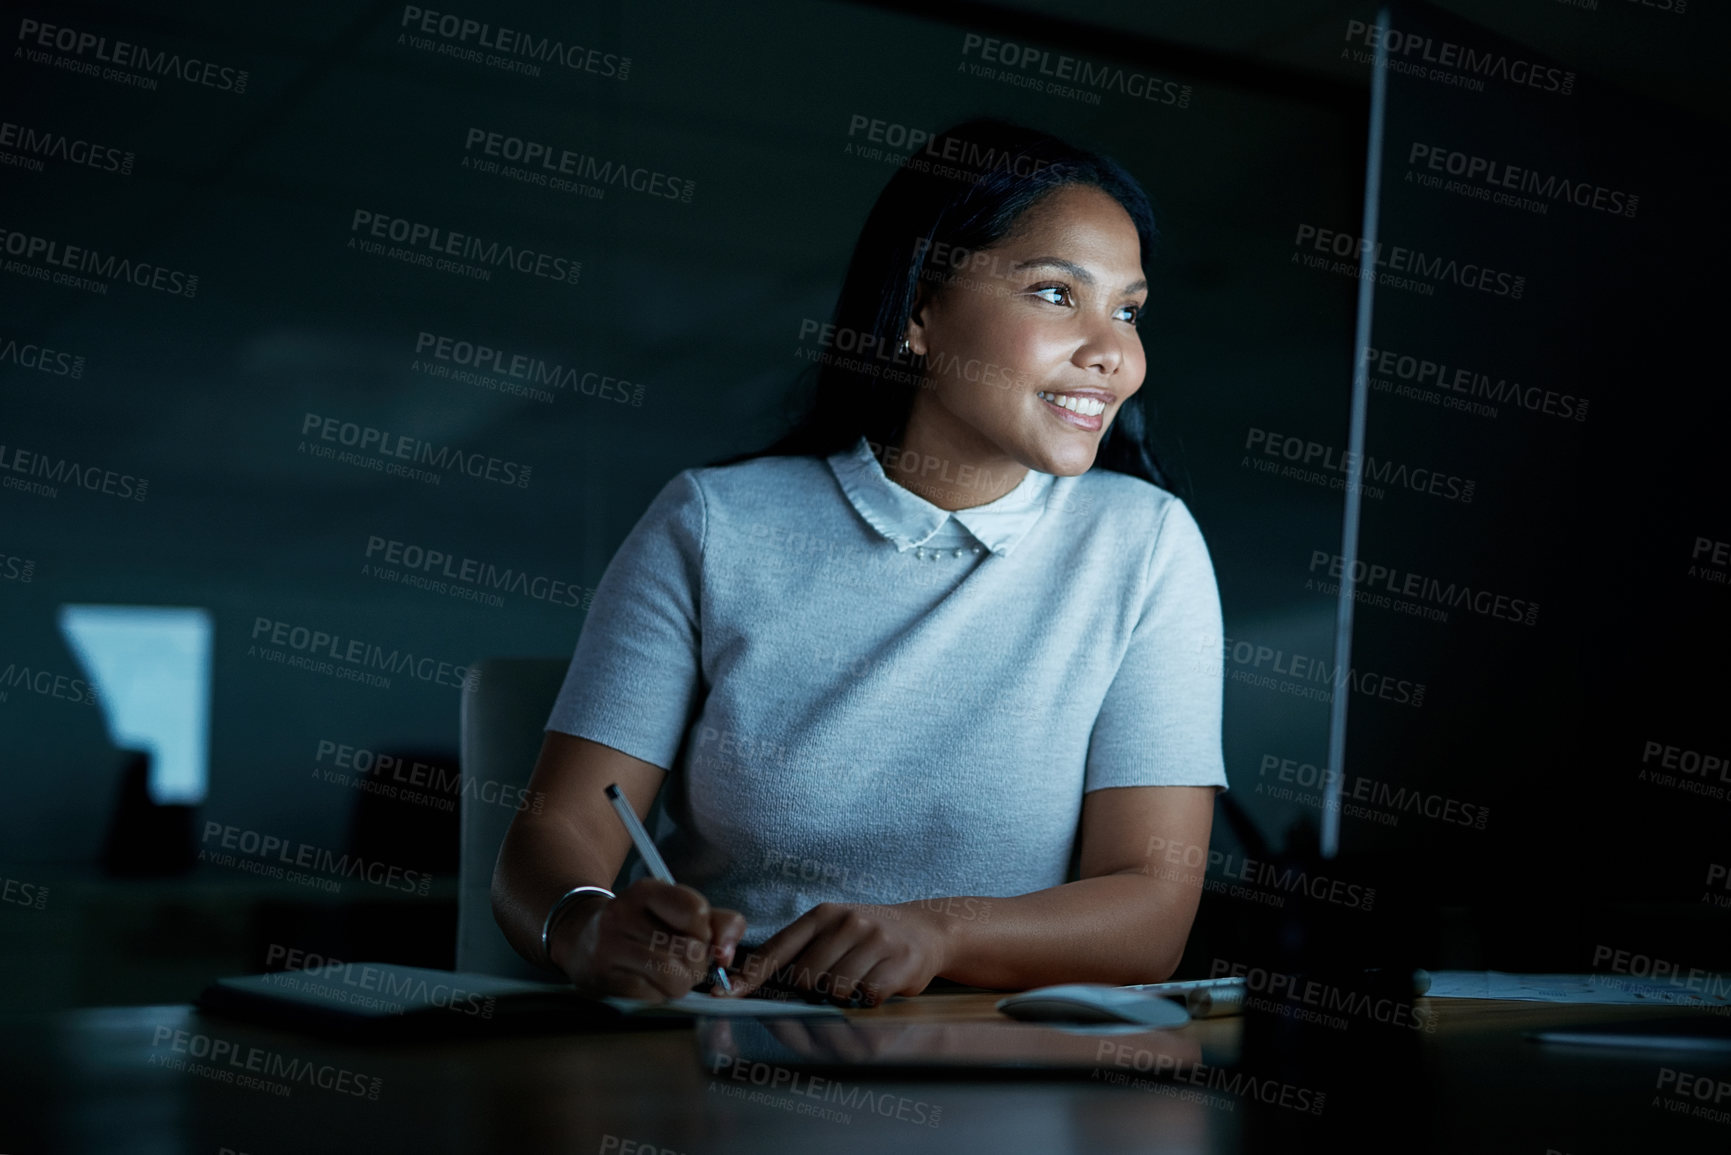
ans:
(703, 305)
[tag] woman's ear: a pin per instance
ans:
(918, 337)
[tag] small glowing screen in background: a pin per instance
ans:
(151, 669)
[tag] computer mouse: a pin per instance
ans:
(1094, 1003)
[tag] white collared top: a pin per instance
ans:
(850, 712)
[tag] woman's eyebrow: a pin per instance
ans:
(1076, 271)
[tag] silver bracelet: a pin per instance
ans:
(553, 916)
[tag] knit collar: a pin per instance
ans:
(909, 520)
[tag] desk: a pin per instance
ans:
(93, 1080)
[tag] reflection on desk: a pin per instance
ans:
(165, 1079)
(768, 1047)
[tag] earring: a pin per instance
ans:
(906, 348)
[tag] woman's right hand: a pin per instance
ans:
(654, 941)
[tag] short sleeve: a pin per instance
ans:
(1160, 722)
(635, 678)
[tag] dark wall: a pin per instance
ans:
(691, 315)
(701, 306)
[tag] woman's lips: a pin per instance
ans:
(1092, 423)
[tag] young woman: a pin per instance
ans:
(902, 673)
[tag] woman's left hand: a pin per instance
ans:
(851, 953)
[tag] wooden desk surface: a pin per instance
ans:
(107, 1079)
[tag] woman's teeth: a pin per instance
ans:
(1086, 406)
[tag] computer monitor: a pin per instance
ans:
(1546, 556)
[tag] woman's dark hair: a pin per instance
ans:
(961, 192)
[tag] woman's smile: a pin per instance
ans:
(1081, 409)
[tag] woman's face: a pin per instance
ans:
(1042, 321)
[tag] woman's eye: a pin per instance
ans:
(1135, 312)
(1061, 291)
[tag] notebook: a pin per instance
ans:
(385, 1000)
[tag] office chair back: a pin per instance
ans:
(501, 726)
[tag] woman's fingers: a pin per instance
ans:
(766, 961)
(681, 909)
(817, 968)
(726, 928)
(808, 954)
(674, 924)
(854, 970)
(657, 940)
(888, 977)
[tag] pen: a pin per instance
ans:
(652, 858)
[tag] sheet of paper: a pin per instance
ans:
(1702, 990)
(712, 1005)
(1679, 1036)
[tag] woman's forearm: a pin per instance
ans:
(1115, 928)
(539, 862)
(571, 838)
